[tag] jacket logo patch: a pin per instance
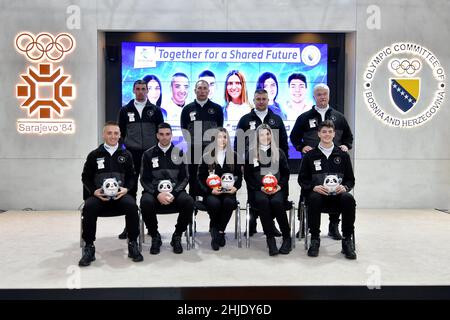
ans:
(100, 163)
(318, 165)
(271, 122)
(155, 162)
(131, 117)
(252, 125)
(333, 118)
(150, 113)
(211, 111)
(192, 115)
(337, 160)
(312, 123)
(121, 159)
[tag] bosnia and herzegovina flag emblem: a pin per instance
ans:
(405, 92)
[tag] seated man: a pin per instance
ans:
(109, 160)
(326, 177)
(164, 177)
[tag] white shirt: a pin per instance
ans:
(326, 151)
(111, 149)
(164, 149)
(236, 111)
(322, 111)
(221, 157)
(140, 106)
(261, 114)
(202, 103)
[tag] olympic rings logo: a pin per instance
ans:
(405, 66)
(45, 45)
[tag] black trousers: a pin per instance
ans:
(183, 203)
(344, 203)
(220, 208)
(270, 207)
(137, 160)
(94, 207)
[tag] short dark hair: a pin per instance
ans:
(139, 82)
(111, 123)
(299, 76)
(164, 125)
(260, 91)
(206, 73)
(326, 123)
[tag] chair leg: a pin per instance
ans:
(292, 224)
(81, 231)
(305, 213)
(301, 218)
(141, 233)
(238, 226)
(194, 227)
(247, 225)
(188, 237)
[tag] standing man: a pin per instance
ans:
(326, 163)
(304, 135)
(138, 122)
(196, 118)
(109, 160)
(164, 177)
(252, 120)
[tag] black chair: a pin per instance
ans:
(304, 222)
(200, 206)
(141, 233)
(169, 209)
(288, 206)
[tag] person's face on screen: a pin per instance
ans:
(212, 85)
(140, 92)
(322, 97)
(202, 90)
(164, 136)
(326, 135)
(222, 140)
(261, 101)
(297, 90)
(180, 88)
(154, 91)
(111, 135)
(264, 137)
(234, 89)
(271, 87)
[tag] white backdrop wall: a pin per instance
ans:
(395, 168)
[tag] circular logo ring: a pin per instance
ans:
(44, 44)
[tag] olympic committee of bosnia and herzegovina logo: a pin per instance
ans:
(406, 62)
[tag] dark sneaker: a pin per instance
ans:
(286, 246)
(124, 234)
(133, 251)
(333, 231)
(221, 239)
(88, 256)
(272, 244)
(215, 239)
(176, 244)
(156, 244)
(347, 248)
(313, 250)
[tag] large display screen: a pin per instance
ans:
(234, 71)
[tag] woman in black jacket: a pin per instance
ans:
(267, 159)
(221, 200)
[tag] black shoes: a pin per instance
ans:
(286, 246)
(221, 239)
(133, 252)
(176, 244)
(156, 244)
(313, 250)
(272, 244)
(348, 249)
(88, 256)
(124, 234)
(333, 231)
(215, 239)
